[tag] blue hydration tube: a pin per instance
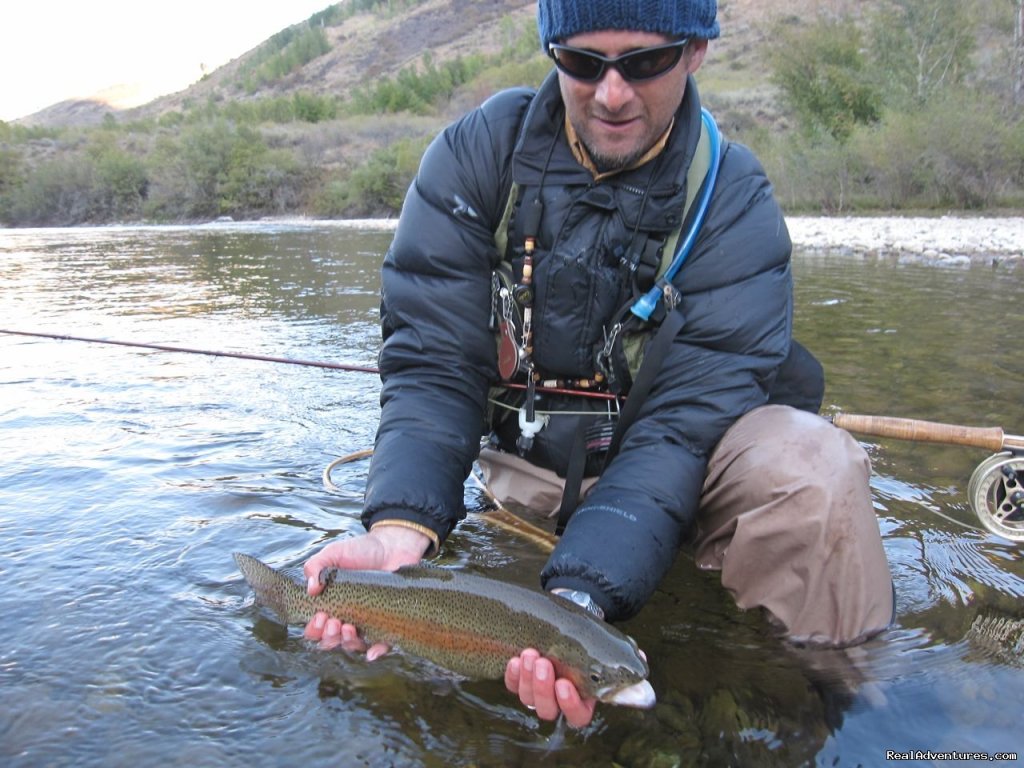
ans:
(646, 304)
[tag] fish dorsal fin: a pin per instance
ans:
(420, 571)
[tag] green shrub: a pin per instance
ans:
(962, 151)
(821, 70)
(58, 193)
(300, 106)
(894, 154)
(380, 7)
(419, 91)
(285, 52)
(12, 175)
(971, 150)
(120, 185)
(219, 168)
(375, 188)
(812, 172)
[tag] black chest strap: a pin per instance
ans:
(656, 352)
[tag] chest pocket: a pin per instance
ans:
(580, 284)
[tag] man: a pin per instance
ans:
(584, 184)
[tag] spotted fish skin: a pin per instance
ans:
(471, 625)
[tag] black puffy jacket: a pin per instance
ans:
(438, 359)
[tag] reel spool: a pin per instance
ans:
(996, 494)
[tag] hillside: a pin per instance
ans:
(371, 45)
(329, 116)
(366, 47)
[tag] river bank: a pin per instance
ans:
(945, 240)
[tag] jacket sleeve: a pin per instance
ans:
(737, 309)
(437, 360)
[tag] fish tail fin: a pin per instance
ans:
(271, 587)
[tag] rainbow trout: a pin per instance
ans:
(470, 625)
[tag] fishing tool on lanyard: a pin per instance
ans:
(529, 422)
(996, 487)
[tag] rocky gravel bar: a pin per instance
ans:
(944, 241)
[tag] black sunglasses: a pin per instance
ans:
(641, 64)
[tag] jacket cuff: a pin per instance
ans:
(397, 522)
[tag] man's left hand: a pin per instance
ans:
(532, 678)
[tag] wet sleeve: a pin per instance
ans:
(437, 360)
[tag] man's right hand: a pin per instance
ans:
(385, 548)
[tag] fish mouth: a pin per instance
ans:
(639, 695)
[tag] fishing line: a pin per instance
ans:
(328, 483)
(499, 516)
(951, 519)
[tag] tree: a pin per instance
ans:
(11, 176)
(1018, 51)
(920, 47)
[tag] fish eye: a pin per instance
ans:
(595, 675)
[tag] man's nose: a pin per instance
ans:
(614, 90)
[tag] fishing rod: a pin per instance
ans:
(499, 516)
(193, 351)
(916, 430)
(995, 490)
(270, 359)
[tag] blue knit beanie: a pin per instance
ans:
(559, 19)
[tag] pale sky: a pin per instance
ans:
(51, 50)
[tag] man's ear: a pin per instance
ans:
(695, 55)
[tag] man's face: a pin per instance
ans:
(618, 120)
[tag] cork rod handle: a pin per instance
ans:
(991, 438)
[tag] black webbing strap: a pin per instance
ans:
(653, 357)
(573, 477)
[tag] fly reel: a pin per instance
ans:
(996, 489)
(996, 494)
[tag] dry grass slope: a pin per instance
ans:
(366, 47)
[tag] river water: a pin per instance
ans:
(129, 476)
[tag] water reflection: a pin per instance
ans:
(129, 476)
